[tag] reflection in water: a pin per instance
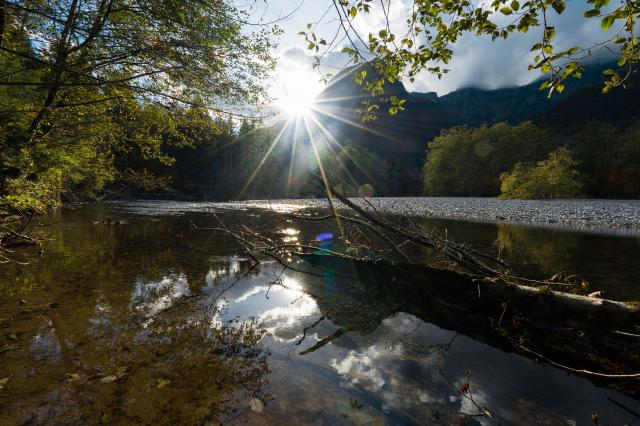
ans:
(45, 344)
(607, 262)
(358, 367)
(547, 255)
(153, 297)
(221, 271)
(123, 325)
(113, 328)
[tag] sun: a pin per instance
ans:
(300, 89)
(299, 103)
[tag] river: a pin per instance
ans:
(130, 316)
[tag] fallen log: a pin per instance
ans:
(591, 337)
(484, 294)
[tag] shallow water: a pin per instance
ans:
(148, 321)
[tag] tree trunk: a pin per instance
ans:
(60, 62)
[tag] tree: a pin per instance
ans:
(358, 172)
(425, 41)
(625, 170)
(555, 177)
(468, 162)
(76, 77)
(609, 159)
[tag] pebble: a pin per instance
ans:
(608, 216)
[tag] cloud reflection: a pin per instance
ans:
(156, 296)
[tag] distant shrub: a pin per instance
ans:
(555, 177)
(464, 162)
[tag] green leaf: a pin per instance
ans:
(607, 21)
(591, 13)
(353, 12)
(559, 6)
(536, 46)
(515, 5)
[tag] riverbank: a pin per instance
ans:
(585, 215)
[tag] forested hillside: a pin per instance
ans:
(586, 142)
(388, 152)
(95, 103)
(475, 106)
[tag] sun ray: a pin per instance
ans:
(332, 140)
(322, 100)
(328, 113)
(294, 145)
(264, 159)
(236, 140)
(325, 181)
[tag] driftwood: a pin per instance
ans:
(13, 233)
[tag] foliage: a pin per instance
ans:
(555, 177)
(35, 195)
(231, 162)
(468, 162)
(83, 81)
(357, 172)
(609, 159)
(425, 42)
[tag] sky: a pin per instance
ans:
(478, 62)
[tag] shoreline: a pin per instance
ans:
(611, 217)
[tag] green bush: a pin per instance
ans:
(468, 162)
(35, 195)
(555, 177)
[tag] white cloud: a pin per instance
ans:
(478, 62)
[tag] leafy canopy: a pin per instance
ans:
(425, 41)
(84, 80)
(468, 162)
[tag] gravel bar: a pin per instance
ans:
(602, 216)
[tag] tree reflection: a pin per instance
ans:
(546, 252)
(114, 329)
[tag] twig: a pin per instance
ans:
(304, 331)
(580, 371)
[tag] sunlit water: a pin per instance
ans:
(131, 317)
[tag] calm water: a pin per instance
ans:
(149, 322)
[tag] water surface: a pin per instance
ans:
(132, 317)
